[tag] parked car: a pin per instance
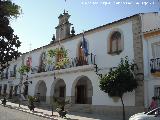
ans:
(151, 115)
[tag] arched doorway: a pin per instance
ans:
(82, 90)
(60, 89)
(41, 90)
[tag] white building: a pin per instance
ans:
(137, 37)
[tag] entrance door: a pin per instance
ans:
(25, 91)
(62, 92)
(81, 94)
(11, 92)
(5, 88)
(15, 90)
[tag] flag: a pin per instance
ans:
(84, 45)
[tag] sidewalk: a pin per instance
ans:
(70, 115)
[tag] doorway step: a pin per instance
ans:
(86, 108)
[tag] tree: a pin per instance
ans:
(120, 80)
(9, 43)
(22, 70)
(60, 103)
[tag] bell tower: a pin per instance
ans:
(63, 28)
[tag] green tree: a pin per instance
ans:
(24, 69)
(119, 80)
(9, 43)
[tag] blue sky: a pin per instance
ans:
(40, 17)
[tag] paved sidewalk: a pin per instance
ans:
(70, 115)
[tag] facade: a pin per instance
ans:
(87, 55)
(151, 51)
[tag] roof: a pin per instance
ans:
(91, 30)
(157, 29)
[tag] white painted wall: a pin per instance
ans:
(149, 81)
(97, 42)
(150, 84)
(98, 46)
(98, 98)
(150, 21)
(147, 52)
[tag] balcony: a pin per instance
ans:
(76, 64)
(80, 61)
(73, 62)
(155, 67)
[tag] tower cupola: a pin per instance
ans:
(63, 28)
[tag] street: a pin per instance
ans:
(12, 114)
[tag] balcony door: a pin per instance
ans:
(155, 61)
(82, 59)
(156, 50)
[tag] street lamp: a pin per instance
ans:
(21, 83)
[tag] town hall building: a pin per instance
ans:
(70, 66)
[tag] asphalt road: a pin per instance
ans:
(12, 114)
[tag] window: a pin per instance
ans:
(14, 69)
(156, 50)
(6, 74)
(115, 43)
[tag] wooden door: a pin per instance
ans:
(81, 94)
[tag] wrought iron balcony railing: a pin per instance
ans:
(82, 60)
(73, 62)
(155, 65)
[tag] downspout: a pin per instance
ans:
(146, 96)
(149, 74)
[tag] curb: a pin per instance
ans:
(40, 114)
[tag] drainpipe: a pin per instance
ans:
(148, 63)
